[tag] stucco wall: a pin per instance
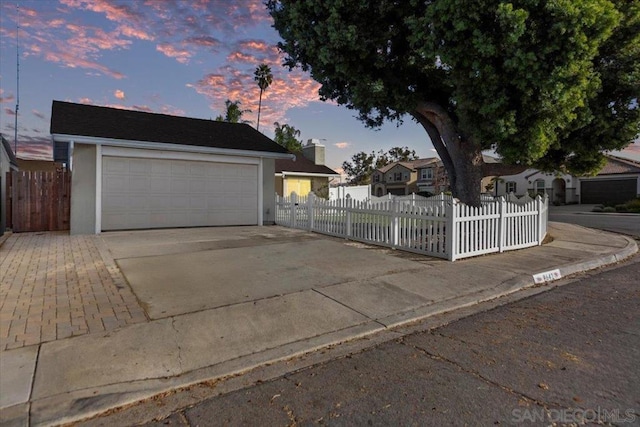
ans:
(268, 191)
(83, 190)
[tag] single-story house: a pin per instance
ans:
(138, 170)
(617, 182)
(8, 162)
(305, 174)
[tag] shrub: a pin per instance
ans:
(633, 205)
(597, 209)
(621, 208)
(609, 209)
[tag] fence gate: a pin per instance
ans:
(38, 201)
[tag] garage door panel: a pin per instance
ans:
(154, 193)
(608, 190)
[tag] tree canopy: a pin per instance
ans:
(549, 84)
(287, 136)
(233, 113)
(362, 165)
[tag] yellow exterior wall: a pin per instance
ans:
(301, 186)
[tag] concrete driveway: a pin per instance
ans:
(582, 215)
(174, 272)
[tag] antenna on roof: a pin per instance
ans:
(15, 131)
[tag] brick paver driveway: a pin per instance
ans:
(54, 286)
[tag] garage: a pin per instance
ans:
(133, 170)
(139, 193)
(608, 191)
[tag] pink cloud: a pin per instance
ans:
(118, 94)
(9, 111)
(180, 55)
(6, 98)
(342, 145)
(38, 114)
(71, 61)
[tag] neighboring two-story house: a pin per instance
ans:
(421, 176)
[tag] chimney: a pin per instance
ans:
(314, 151)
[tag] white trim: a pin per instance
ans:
(98, 189)
(168, 146)
(608, 177)
(311, 175)
(175, 155)
(260, 193)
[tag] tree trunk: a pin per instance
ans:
(259, 108)
(462, 157)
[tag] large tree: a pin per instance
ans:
(264, 78)
(287, 136)
(545, 83)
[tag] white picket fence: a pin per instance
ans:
(439, 227)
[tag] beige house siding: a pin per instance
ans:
(268, 191)
(83, 190)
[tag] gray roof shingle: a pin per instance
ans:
(104, 122)
(302, 165)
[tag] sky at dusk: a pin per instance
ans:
(175, 57)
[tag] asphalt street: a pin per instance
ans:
(581, 215)
(569, 355)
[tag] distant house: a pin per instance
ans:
(306, 174)
(137, 170)
(617, 182)
(8, 162)
(424, 176)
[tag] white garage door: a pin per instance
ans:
(156, 193)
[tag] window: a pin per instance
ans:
(539, 187)
(511, 187)
(376, 177)
(397, 176)
(426, 174)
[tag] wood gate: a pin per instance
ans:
(38, 201)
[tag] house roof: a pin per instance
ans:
(104, 122)
(303, 165)
(617, 165)
(411, 165)
(9, 151)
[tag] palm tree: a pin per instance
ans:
(264, 78)
(233, 113)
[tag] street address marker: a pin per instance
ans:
(547, 276)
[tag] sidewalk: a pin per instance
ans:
(69, 379)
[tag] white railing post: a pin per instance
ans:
(502, 224)
(451, 233)
(294, 209)
(394, 223)
(540, 225)
(310, 203)
(347, 204)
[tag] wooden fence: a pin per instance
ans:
(38, 201)
(438, 227)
